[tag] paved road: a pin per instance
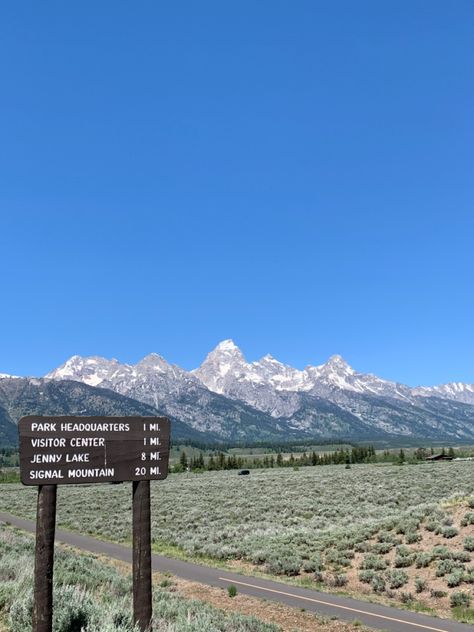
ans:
(372, 615)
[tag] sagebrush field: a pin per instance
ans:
(401, 533)
(91, 596)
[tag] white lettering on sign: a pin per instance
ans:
(45, 442)
(77, 458)
(46, 458)
(60, 450)
(92, 473)
(42, 474)
(95, 427)
(87, 442)
(43, 427)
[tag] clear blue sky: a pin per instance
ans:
(297, 176)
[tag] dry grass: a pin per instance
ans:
(289, 619)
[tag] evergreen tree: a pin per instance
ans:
(183, 459)
(221, 461)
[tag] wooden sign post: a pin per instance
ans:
(44, 557)
(141, 554)
(71, 450)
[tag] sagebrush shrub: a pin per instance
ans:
(339, 580)
(449, 532)
(310, 566)
(461, 556)
(387, 537)
(397, 579)
(441, 552)
(406, 597)
(447, 566)
(378, 583)
(374, 562)
(413, 537)
(455, 578)
(420, 584)
(338, 558)
(366, 576)
(467, 519)
(403, 561)
(431, 525)
(423, 559)
(284, 566)
(460, 599)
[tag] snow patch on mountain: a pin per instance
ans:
(92, 370)
(457, 391)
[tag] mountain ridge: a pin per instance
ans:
(331, 397)
(229, 398)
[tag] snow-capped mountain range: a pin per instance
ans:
(325, 400)
(265, 384)
(230, 398)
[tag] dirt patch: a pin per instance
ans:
(289, 619)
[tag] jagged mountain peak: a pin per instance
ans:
(227, 345)
(225, 362)
(224, 355)
(225, 351)
(335, 365)
(94, 360)
(337, 360)
(457, 391)
(270, 367)
(152, 360)
(91, 370)
(268, 359)
(152, 356)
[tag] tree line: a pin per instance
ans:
(342, 456)
(221, 461)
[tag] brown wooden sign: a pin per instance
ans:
(71, 450)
